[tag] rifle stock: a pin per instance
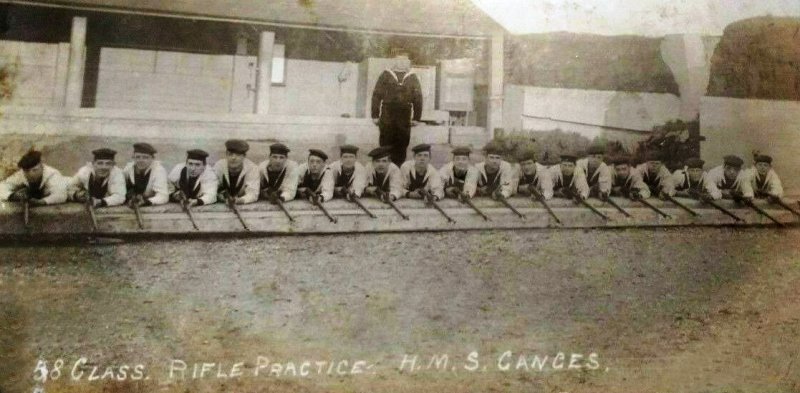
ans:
(386, 197)
(138, 215)
(723, 210)
(593, 209)
(432, 201)
(90, 209)
(786, 206)
(466, 200)
(539, 197)
(232, 205)
(26, 211)
(618, 207)
(317, 203)
(188, 210)
(655, 209)
(764, 213)
(505, 203)
(353, 198)
(682, 206)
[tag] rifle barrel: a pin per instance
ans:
(682, 206)
(188, 211)
(469, 203)
(138, 215)
(618, 207)
(724, 210)
(764, 213)
(429, 198)
(232, 206)
(358, 202)
(26, 212)
(787, 207)
(283, 208)
(539, 197)
(504, 201)
(397, 209)
(584, 202)
(655, 209)
(92, 215)
(325, 211)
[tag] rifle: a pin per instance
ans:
(616, 206)
(26, 207)
(783, 204)
(466, 200)
(722, 209)
(274, 198)
(90, 208)
(592, 208)
(386, 197)
(762, 212)
(538, 196)
(188, 210)
(430, 199)
(315, 199)
(231, 202)
(137, 212)
(504, 201)
(655, 209)
(353, 198)
(681, 205)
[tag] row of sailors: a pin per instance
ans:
(236, 179)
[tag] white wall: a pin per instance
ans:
(588, 112)
(738, 126)
(39, 72)
(313, 88)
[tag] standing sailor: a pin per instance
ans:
(146, 179)
(419, 176)
(495, 174)
(238, 176)
(397, 106)
(626, 180)
(277, 174)
(315, 181)
(459, 177)
(99, 181)
(533, 176)
(598, 174)
(693, 182)
(193, 180)
(731, 180)
(569, 181)
(349, 176)
(383, 176)
(35, 182)
(765, 182)
(656, 175)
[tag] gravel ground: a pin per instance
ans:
(687, 309)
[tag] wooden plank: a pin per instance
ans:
(264, 218)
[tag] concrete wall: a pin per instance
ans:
(739, 126)
(39, 72)
(314, 88)
(589, 112)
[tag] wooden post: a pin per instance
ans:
(495, 110)
(264, 75)
(77, 59)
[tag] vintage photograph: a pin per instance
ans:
(255, 196)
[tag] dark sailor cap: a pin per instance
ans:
(621, 160)
(237, 146)
(493, 148)
(104, 154)
(319, 153)
(145, 148)
(763, 158)
(30, 160)
(348, 149)
(421, 147)
(695, 162)
(733, 161)
(652, 155)
(596, 149)
(278, 148)
(527, 155)
(196, 154)
(462, 151)
(568, 158)
(380, 152)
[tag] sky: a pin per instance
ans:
(639, 17)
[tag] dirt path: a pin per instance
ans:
(692, 310)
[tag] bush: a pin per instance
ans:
(549, 145)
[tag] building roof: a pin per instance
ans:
(456, 18)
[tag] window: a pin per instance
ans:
(279, 64)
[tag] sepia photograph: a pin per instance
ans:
(280, 196)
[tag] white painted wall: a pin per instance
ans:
(738, 126)
(39, 72)
(588, 112)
